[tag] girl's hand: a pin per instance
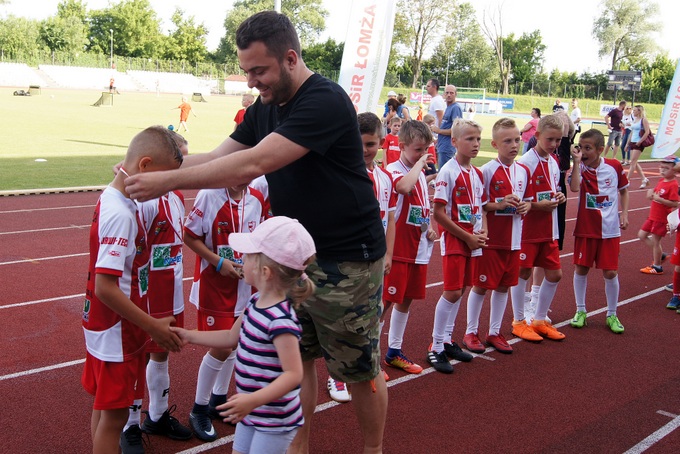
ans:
(183, 334)
(237, 407)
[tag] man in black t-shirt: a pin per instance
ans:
(615, 127)
(302, 133)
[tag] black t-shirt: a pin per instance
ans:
(615, 117)
(328, 189)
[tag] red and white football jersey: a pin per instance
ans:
(541, 226)
(462, 191)
(667, 190)
(384, 192)
(212, 219)
(598, 200)
(391, 149)
(505, 226)
(163, 220)
(117, 247)
(412, 212)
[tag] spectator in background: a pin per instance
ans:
(614, 125)
(575, 117)
(437, 105)
(445, 148)
(393, 110)
(529, 129)
(558, 106)
(390, 95)
(246, 101)
(627, 120)
(404, 114)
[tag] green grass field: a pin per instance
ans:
(80, 143)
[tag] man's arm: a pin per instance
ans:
(229, 164)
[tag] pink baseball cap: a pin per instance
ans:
(280, 238)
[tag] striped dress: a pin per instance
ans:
(257, 364)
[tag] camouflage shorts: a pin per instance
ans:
(341, 321)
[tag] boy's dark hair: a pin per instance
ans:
(414, 130)
(369, 123)
(272, 29)
(595, 135)
(435, 83)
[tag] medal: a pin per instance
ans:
(424, 226)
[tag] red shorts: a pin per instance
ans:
(675, 258)
(211, 322)
(114, 385)
(153, 347)
(543, 255)
(458, 271)
(657, 228)
(405, 281)
(497, 268)
(604, 253)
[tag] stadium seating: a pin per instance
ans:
(81, 77)
(19, 75)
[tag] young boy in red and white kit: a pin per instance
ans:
(163, 220)
(509, 192)
(540, 238)
(458, 209)
(601, 183)
(664, 199)
(391, 151)
(116, 323)
(246, 101)
(414, 238)
(219, 291)
(370, 128)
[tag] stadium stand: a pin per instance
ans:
(170, 82)
(81, 77)
(19, 75)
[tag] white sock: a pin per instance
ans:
(135, 415)
(611, 290)
(451, 324)
(545, 299)
(207, 374)
(474, 308)
(535, 289)
(517, 297)
(158, 382)
(442, 314)
(580, 286)
(498, 302)
(223, 379)
(398, 323)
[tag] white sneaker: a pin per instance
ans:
(644, 184)
(338, 391)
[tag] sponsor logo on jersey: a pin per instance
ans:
(162, 257)
(161, 226)
(115, 240)
(86, 310)
(252, 225)
(143, 274)
(114, 253)
(597, 202)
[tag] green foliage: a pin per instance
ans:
(67, 34)
(308, 17)
(188, 41)
(324, 58)
(19, 35)
(72, 8)
(623, 30)
(525, 54)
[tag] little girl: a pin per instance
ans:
(268, 363)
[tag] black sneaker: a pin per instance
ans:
(439, 361)
(202, 426)
(453, 351)
(131, 441)
(167, 426)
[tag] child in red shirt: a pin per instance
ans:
(391, 151)
(664, 199)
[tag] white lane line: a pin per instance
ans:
(42, 369)
(58, 298)
(46, 230)
(42, 259)
(665, 413)
(655, 437)
(30, 210)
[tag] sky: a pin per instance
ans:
(566, 29)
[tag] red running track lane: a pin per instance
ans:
(593, 392)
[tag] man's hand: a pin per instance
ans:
(147, 186)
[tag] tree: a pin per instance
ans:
(72, 8)
(64, 34)
(308, 17)
(136, 30)
(419, 23)
(463, 57)
(492, 26)
(525, 55)
(324, 57)
(623, 29)
(188, 41)
(18, 36)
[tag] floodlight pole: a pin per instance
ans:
(277, 6)
(111, 30)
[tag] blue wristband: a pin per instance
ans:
(219, 264)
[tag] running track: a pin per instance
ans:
(594, 392)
